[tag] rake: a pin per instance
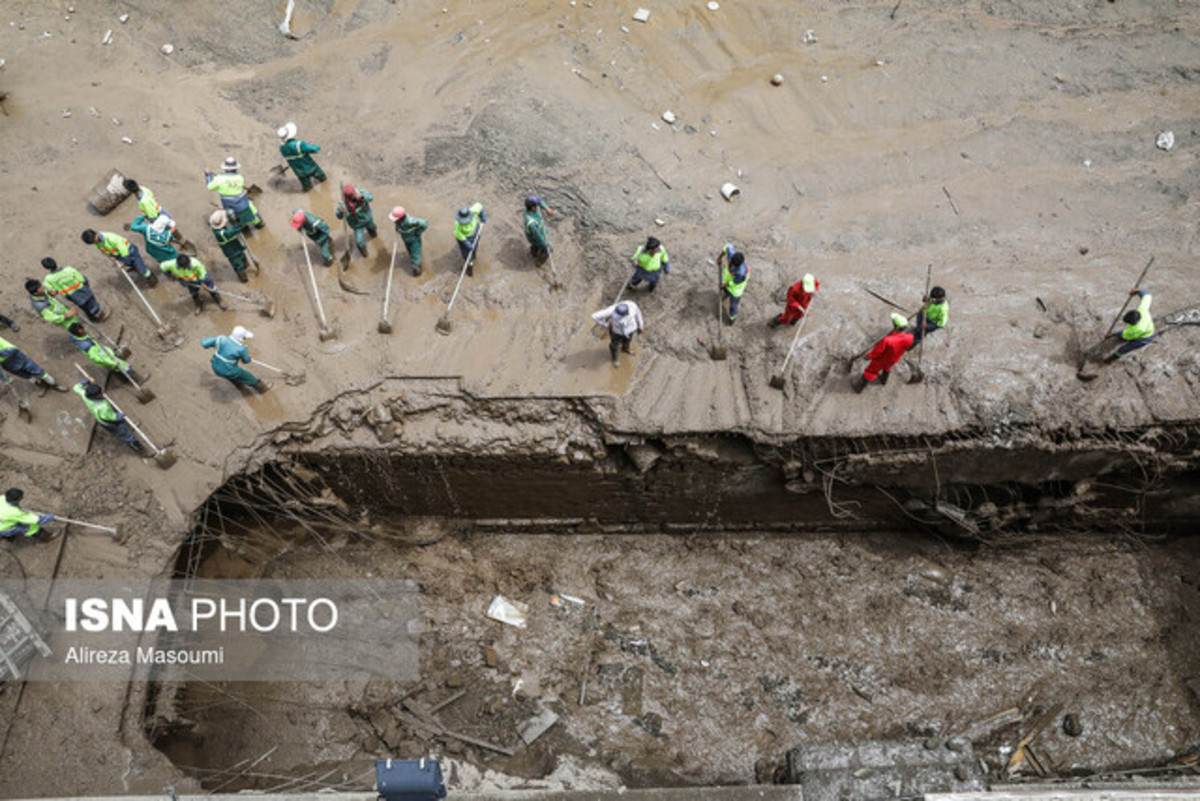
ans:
(163, 457)
(266, 306)
(292, 379)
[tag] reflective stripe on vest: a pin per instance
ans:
(148, 203)
(113, 245)
(294, 156)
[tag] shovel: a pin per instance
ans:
(384, 326)
(120, 351)
(777, 380)
(292, 379)
(717, 352)
(250, 253)
(326, 332)
(278, 170)
(165, 332)
(23, 409)
(443, 323)
(555, 284)
(1089, 376)
(917, 376)
(163, 457)
(266, 307)
(142, 394)
(118, 536)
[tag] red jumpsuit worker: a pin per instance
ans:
(886, 354)
(798, 297)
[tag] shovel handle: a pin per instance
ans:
(463, 273)
(387, 290)
(269, 366)
(109, 529)
(313, 278)
(1128, 298)
(796, 337)
(149, 308)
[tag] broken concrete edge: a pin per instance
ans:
(747, 793)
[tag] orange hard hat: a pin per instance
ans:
(298, 218)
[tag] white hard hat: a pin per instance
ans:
(288, 131)
(240, 334)
(231, 165)
(218, 219)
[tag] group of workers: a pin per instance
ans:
(238, 217)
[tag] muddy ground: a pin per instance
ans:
(1011, 145)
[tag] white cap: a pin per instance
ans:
(288, 131)
(240, 335)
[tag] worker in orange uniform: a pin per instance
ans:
(799, 295)
(886, 354)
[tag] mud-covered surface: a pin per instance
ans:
(1009, 145)
(687, 660)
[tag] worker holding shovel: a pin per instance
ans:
(650, 263)
(72, 284)
(121, 251)
(49, 308)
(934, 314)
(735, 274)
(106, 416)
(799, 296)
(229, 239)
(103, 356)
(410, 229)
(1139, 327)
(315, 229)
(468, 227)
(622, 320)
(157, 233)
(16, 522)
(299, 155)
(535, 228)
(193, 275)
(886, 354)
(231, 186)
(230, 350)
(355, 208)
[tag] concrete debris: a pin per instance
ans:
(66, 113)
(624, 29)
(127, 140)
(168, 49)
(660, 222)
(714, 5)
(537, 725)
(642, 15)
(93, 112)
(1071, 726)
(810, 37)
(108, 37)
(728, 191)
(514, 613)
(668, 117)
(123, 18)
(1165, 140)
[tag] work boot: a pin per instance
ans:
(137, 448)
(775, 321)
(653, 286)
(612, 349)
(216, 296)
(262, 386)
(858, 383)
(883, 377)
(329, 261)
(47, 379)
(373, 231)
(259, 223)
(731, 320)
(197, 304)
(631, 286)
(101, 317)
(151, 279)
(625, 348)
(241, 274)
(417, 271)
(1112, 357)
(471, 268)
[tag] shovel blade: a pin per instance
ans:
(145, 396)
(123, 352)
(253, 189)
(384, 327)
(1086, 377)
(443, 326)
(718, 353)
(294, 379)
(268, 309)
(326, 334)
(776, 382)
(25, 413)
(165, 458)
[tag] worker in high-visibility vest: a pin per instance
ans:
(101, 355)
(69, 282)
(230, 350)
(121, 251)
(315, 229)
(1139, 327)
(650, 263)
(192, 273)
(231, 186)
(106, 415)
(468, 227)
(13, 360)
(48, 307)
(16, 522)
(735, 274)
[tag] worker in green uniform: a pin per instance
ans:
(157, 234)
(317, 230)
(735, 275)
(933, 315)
(16, 522)
(650, 263)
(229, 238)
(356, 209)
(49, 308)
(121, 251)
(229, 351)
(468, 227)
(150, 208)
(535, 228)
(1139, 327)
(69, 282)
(299, 156)
(410, 229)
(106, 416)
(101, 355)
(192, 273)
(231, 186)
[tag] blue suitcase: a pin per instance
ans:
(409, 780)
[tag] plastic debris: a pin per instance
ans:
(642, 15)
(668, 118)
(624, 29)
(728, 190)
(810, 37)
(168, 49)
(127, 140)
(660, 222)
(66, 113)
(123, 18)
(107, 37)
(1165, 140)
(714, 5)
(513, 613)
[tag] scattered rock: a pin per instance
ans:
(777, 79)
(810, 37)
(489, 656)
(1071, 726)
(1083, 250)
(108, 37)
(168, 49)
(123, 18)
(642, 15)
(668, 117)
(659, 221)
(66, 113)
(713, 5)
(1165, 140)
(127, 140)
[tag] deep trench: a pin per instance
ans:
(968, 492)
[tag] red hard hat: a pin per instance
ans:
(349, 191)
(297, 218)
(397, 213)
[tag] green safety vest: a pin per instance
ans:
(228, 184)
(148, 203)
(11, 516)
(464, 231)
(64, 281)
(731, 287)
(1144, 327)
(196, 273)
(101, 409)
(52, 310)
(6, 345)
(650, 262)
(938, 313)
(111, 244)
